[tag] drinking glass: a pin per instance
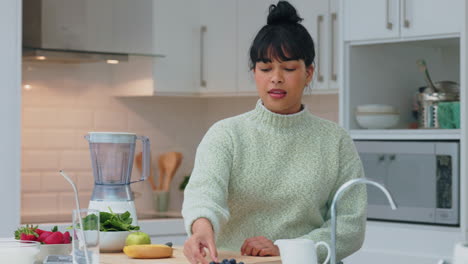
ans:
(18, 251)
(85, 240)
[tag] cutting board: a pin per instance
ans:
(179, 258)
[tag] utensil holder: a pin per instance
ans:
(429, 108)
(161, 201)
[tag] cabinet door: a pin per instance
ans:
(370, 19)
(317, 20)
(431, 17)
(218, 47)
(252, 16)
(176, 35)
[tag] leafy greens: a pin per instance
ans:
(110, 222)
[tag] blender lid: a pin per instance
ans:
(111, 137)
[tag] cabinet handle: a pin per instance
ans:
(333, 76)
(392, 157)
(202, 56)
(319, 73)
(406, 22)
(389, 23)
(381, 158)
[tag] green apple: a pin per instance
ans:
(137, 238)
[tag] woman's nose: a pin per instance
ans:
(277, 77)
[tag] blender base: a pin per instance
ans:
(117, 207)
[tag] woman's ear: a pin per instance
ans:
(309, 73)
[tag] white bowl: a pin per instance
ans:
(377, 121)
(112, 241)
(375, 108)
(54, 249)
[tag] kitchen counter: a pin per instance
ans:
(179, 258)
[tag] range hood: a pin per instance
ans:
(87, 31)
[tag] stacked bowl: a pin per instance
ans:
(377, 116)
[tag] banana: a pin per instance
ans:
(148, 251)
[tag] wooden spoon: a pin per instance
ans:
(138, 161)
(168, 164)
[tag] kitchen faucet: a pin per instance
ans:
(337, 196)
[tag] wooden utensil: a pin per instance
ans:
(168, 163)
(179, 258)
(138, 162)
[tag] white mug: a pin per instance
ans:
(294, 251)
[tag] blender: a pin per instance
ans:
(112, 155)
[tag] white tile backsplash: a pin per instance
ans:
(30, 182)
(75, 160)
(52, 181)
(68, 101)
(39, 160)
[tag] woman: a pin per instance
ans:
(271, 173)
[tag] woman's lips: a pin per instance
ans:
(277, 93)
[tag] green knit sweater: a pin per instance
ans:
(266, 174)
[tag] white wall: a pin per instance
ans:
(10, 103)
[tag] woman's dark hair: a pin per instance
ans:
(282, 38)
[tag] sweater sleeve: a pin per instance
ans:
(206, 193)
(351, 208)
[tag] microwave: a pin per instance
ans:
(422, 177)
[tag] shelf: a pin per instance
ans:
(405, 134)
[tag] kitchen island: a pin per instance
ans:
(179, 258)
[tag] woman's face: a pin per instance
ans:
(280, 84)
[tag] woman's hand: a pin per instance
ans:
(202, 237)
(259, 246)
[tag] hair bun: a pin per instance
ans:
(283, 13)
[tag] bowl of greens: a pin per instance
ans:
(114, 229)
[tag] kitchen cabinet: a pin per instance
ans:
(378, 54)
(387, 73)
(218, 45)
(393, 19)
(175, 74)
(321, 20)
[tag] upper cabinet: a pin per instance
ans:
(390, 19)
(206, 48)
(218, 53)
(176, 31)
(321, 20)
(418, 17)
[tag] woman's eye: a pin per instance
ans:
(265, 69)
(290, 69)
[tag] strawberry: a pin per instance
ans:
(26, 230)
(66, 238)
(44, 235)
(28, 237)
(39, 231)
(54, 238)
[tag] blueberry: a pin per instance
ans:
(169, 244)
(212, 262)
(232, 261)
(240, 262)
(225, 261)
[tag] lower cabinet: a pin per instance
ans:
(392, 243)
(162, 231)
(177, 240)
